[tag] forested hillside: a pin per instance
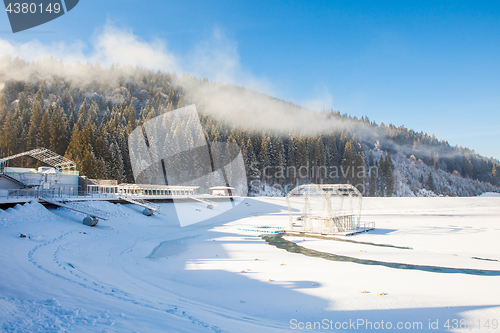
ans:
(86, 112)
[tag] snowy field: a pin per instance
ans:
(431, 264)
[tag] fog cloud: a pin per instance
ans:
(215, 58)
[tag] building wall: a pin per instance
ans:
(63, 184)
(7, 184)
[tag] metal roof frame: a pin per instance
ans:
(44, 155)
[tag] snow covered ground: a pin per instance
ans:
(134, 273)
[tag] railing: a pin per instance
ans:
(37, 192)
(30, 193)
(141, 202)
(366, 226)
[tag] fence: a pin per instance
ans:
(40, 193)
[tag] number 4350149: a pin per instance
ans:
(32, 8)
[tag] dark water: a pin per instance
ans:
(281, 243)
(168, 249)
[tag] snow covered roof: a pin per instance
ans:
(157, 187)
(19, 170)
(490, 194)
(48, 170)
(221, 188)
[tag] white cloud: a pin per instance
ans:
(322, 101)
(116, 45)
(215, 58)
(218, 60)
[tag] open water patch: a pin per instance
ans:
(168, 249)
(281, 243)
(352, 241)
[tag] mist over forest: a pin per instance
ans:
(86, 112)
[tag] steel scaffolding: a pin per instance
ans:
(44, 155)
(325, 209)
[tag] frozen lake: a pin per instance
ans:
(147, 274)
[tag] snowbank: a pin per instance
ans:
(29, 212)
(48, 316)
(490, 195)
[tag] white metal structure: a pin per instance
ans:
(210, 204)
(151, 207)
(59, 162)
(93, 213)
(325, 209)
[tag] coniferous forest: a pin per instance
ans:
(87, 112)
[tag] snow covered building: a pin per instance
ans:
(33, 182)
(59, 179)
(225, 191)
(8, 183)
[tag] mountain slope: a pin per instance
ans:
(86, 113)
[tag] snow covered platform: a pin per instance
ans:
(364, 228)
(12, 201)
(265, 230)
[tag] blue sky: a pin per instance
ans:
(430, 66)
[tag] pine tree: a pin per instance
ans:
(36, 119)
(372, 188)
(371, 171)
(73, 115)
(301, 159)
(251, 164)
(131, 118)
(89, 164)
(117, 170)
(75, 147)
(3, 109)
(21, 132)
(292, 152)
(348, 163)
(82, 115)
(468, 167)
(58, 131)
(271, 149)
(388, 175)
(381, 180)
(66, 101)
(101, 146)
(359, 166)
(264, 158)
(495, 174)
(429, 184)
(318, 162)
(9, 136)
(123, 145)
(280, 162)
